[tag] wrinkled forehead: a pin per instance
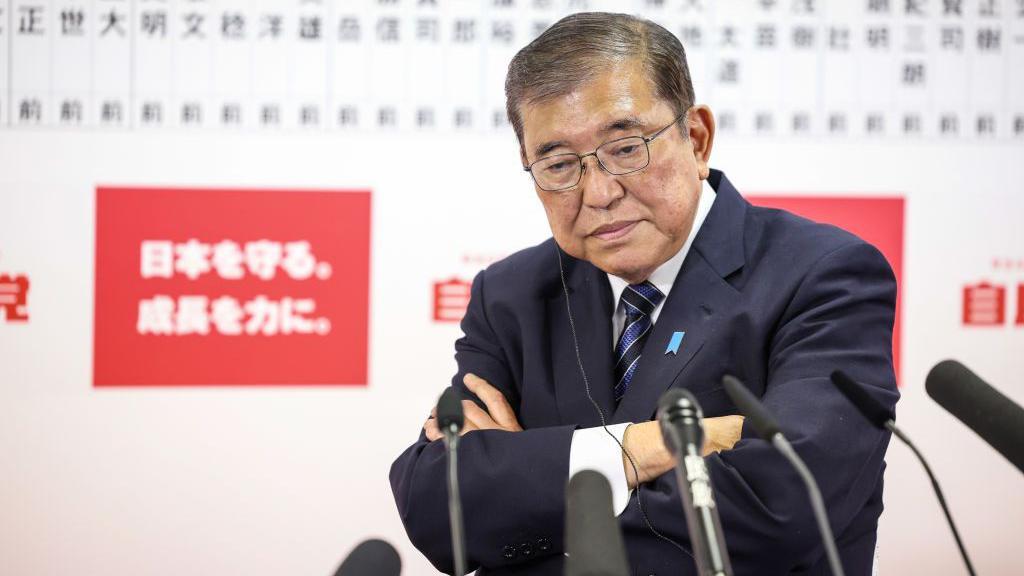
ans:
(619, 99)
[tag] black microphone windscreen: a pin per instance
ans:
(592, 537)
(873, 410)
(759, 417)
(681, 420)
(997, 419)
(449, 409)
(371, 558)
(676, 398)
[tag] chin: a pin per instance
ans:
(622, 261)
(623, 268)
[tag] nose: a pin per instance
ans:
(600, 188)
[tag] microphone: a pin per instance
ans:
(883, 417)
(997, 419)
(765, 425)
(682, 427)
(371, 558)
(450, 420)
(592, 538)
(449, 411)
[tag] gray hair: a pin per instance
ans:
(579, 47)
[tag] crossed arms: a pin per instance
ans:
(513, 479)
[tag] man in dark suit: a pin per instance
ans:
(659, 274)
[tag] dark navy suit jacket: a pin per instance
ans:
(776, 300)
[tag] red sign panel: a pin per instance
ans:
(451, 298)
(878, 221)
(984, 304)
(231, 287)
(14, 297)
(1020, 305)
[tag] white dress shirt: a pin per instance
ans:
(593, 448)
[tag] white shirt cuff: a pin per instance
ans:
(593, 449)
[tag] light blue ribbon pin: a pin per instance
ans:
(673, 344)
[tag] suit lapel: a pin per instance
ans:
(591, 299)
(700, 298)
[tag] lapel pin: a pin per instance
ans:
(673, 344)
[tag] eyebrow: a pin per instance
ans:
(627, 123)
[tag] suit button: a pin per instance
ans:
(543, 544)
(509, 552)
(526, 549)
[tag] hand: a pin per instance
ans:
(498, 416)
(721, 433)
(645, 443)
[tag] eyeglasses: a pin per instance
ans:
(619, 157)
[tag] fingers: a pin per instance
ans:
(722, 433)
(643, 446)
(477, 416)
(468, 427)
(431, 429)
(735, 424)
(498, 415)
(497, 406)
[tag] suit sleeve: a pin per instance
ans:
(512, 484)
(841, 316)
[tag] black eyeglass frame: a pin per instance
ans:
(579, 157)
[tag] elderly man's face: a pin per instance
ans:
(625, 225)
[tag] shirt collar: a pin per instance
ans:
(665, 275)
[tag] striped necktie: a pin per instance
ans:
(640, 300)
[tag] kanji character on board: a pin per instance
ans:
(193, 258)
(156, 259)
(262, 258)
(156, 316)
(191, 317)
(264, 316)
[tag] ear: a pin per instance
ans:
(700, 127)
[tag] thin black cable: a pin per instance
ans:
(600, 413)
(938, 493)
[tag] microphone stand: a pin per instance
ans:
(882, 417)
(891, 426)
(682, 427)
(817, 502)
(711, 559)
(768, 429)
(451, 444)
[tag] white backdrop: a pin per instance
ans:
(286, 480)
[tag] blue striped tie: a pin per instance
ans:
(640, 300)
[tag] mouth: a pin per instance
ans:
(614, 230)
